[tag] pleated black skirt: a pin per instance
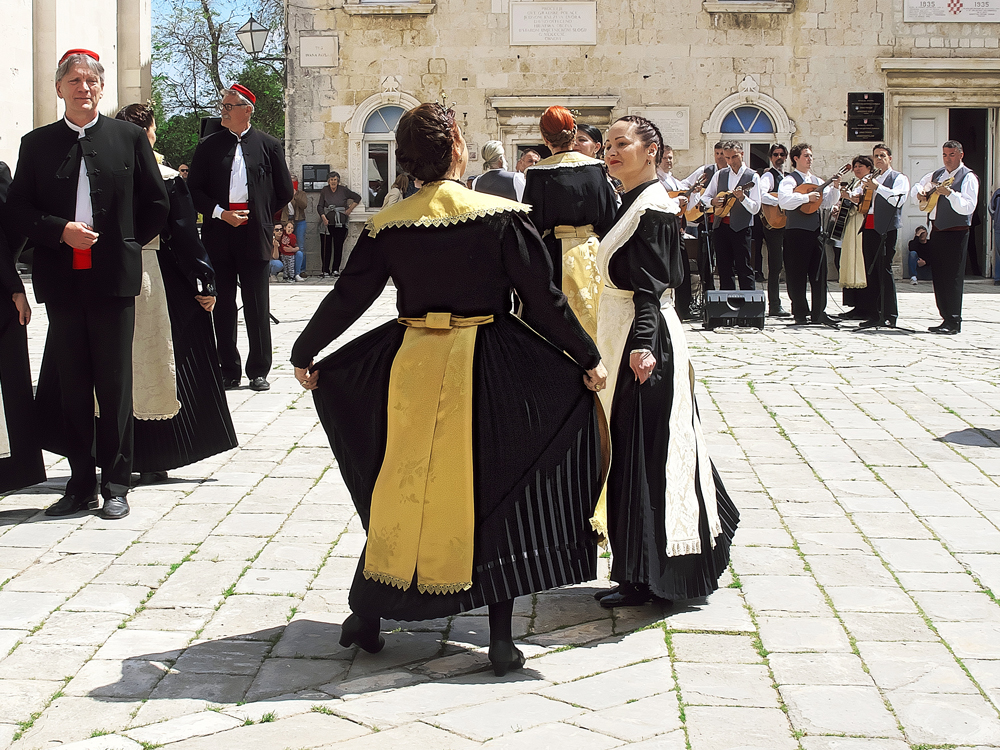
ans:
(24, 466)
(637, 490)
(537, 464)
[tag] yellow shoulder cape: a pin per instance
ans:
(566, 159)
(439, 204)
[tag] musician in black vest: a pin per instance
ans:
(883, 220)
(950, 221)
(88, 193)
(706, 251)
(238, 181)
(665, 174)
(804, 254)
(496, 179)
(731, 234)
(774, 239)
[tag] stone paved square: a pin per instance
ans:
(859, 612)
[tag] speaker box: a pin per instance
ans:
(734, 308)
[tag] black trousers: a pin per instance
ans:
(805, 264)
(774, 242)
(336, 238)
(91, 338)
(706, 255)
(733, 257)
(949, 251)
(881, 289)
(235, 262)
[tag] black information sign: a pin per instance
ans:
(866, 116)
(314, 177)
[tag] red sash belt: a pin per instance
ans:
(870, 221)
(239, 206)
(725, 219)
(81, 258)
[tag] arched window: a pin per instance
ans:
(743, 120)
(380, 154)
(383, 120)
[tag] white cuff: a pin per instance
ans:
(217, 213)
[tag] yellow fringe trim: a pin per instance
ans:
(443, 588)
(388, 580)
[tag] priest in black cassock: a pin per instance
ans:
(89, 195)
(238, 181)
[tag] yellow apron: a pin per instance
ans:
(423, 504)
(581, 279)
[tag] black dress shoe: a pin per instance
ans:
(779, 313)
(877, 323)
(114, 508)
(152, 477)
(826, 320)
(259, 384)
(800, 321)
(357, 632)
(230, 384)
(948, 329)
(505, 656)
(67, 505)
(628, 595)
(852, 314)
(598, 595)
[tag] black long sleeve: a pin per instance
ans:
(10, 241)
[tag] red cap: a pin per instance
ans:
(245, 91)
(86, 52)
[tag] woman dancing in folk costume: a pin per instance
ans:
(470, 445)
(670, 520)
(572, 206)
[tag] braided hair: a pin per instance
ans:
(647, 132)
(425, 140)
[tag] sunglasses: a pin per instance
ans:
(778, 153)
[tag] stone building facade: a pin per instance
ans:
(40, 31)
(754, 70)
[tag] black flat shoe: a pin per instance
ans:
(67, 505)
(259, 384)
(628, 595)
(114, 508)
(598, 595)
(230, 384)
(800, 321)
(152, 477)
(853, 314)
(356, 632)
(826, 320)
(949, 329)
(505, 656)
(779, 313)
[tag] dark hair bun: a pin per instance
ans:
(137, 114)
(425, 139)
(558, 126)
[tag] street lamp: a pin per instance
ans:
(253, 36)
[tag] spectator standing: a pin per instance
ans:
(296, 211)
(336, 202)
(288, 247)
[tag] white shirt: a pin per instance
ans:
(789, 200)
(751, 197)
(767, 187)
(896, 195)
(692, 178)
(963, 202)
(238, 190)
(84, 206)
(668, 180)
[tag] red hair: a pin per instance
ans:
(558, 126)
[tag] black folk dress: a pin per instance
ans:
(537, 463)
(670, 519)
(22, 465)
(203, 427)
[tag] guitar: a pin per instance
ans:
(868, 194)
(807, 187)
(928, 199)
(841, 214)
(691, 209)
(728, 201)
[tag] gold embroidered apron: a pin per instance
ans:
(423, 503)
(853, 274)
(581, 279)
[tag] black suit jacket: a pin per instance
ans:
(268, 183)
(10, 240)
(128, 195)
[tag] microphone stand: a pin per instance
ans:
(876, 264)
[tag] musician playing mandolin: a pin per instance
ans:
(804, 253)
(881, 198)
(734, 193)
(951, 195)
(706, 251)
(774, 236)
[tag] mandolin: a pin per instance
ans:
(728, 201)
(692, 211)
(927, 199)
(868, 194)
(807, 187)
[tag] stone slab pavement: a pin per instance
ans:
(859, 612)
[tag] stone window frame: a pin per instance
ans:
(748, 6)
(357, 139)
(747, 94)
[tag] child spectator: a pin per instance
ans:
(289, 246)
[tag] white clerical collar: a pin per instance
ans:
(240, 136)
(77, 128)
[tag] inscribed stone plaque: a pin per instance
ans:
(951, 11)
(319, 51)
(554, 23)
(672, 121)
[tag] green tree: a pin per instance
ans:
(268, 85)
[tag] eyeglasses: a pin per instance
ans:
(226, 107)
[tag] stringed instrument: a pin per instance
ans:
(807, 187)
(868, 194)
(692, 212)
(728, 201)
(928, 199)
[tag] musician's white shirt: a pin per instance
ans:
(963, 202)
(901, 187)
(751, 199)
(767, 187)
(668, 180)
(789, 200)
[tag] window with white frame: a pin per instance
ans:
(379, 154)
